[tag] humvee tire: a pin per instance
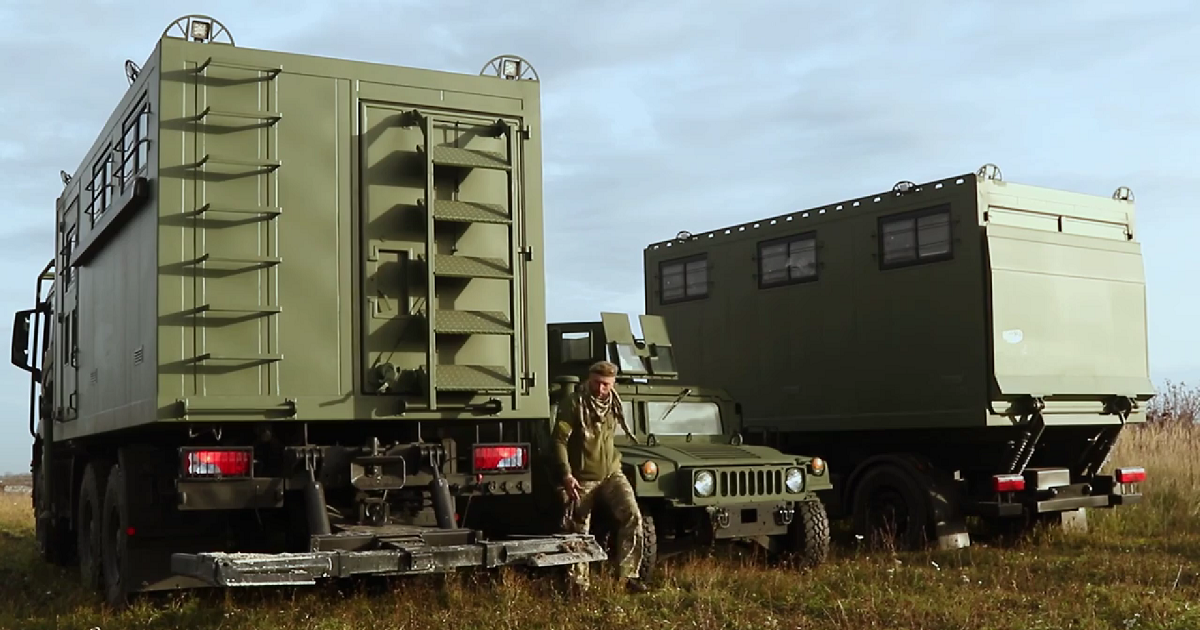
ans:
(809, 534)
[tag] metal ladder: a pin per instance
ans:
(447, 269)
(236, 214)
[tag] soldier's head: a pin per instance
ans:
(601, 378)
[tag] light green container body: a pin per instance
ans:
(289, 227)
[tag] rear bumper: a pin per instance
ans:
(305, 568)
(1018, 506)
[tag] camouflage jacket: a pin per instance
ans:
(587, 453)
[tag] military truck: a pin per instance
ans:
(696, 481)
(964, 347)
(294, 325)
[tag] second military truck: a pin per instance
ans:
(968, 346)
(695, 479)
(296, 325)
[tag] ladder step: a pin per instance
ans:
(468, 158)
(470, 267)
(469, 212)
(208, 208)
(272, 71)
(262, 261)
(240, 358)
(215, 159)
(229, 308)
(209, 111)
(473, 323)
(473, 378)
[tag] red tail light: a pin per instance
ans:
(501, 458)
(217, 462)
(1131, 474)
(1008, 483)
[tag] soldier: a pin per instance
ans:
(590, 466)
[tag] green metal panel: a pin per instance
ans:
(1067, 294)
(427, 175)
(858, 335)
(104, 343)
(308, 218)
(847, 344)
(662, 355)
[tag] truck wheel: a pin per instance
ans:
(890, 507)
(649, 548)
(115, 539)
(809, 534)
(54, 541)
(87, 525)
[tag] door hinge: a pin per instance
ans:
(526, 253)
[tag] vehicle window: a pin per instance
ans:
(697, 418)
(912, 238)
(787, 260)
(683, 279)
(576, 346)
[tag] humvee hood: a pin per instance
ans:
(707, 454)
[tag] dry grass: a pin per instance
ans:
(1139, 567)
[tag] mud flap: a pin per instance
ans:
(305, 568)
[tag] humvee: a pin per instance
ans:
(696, 480)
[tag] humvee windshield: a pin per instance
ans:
(697, 418)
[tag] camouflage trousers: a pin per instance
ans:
(616, 493)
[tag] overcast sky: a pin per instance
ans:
(664, 116)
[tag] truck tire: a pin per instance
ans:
(115, 540)
(809, 534)
(890, 507)
(87, 524)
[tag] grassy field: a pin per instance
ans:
(1138, 567)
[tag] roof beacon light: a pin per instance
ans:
(201, 30)
(512, 68)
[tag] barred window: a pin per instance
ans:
(787, 260)
(683, 279)
(70, 242)
(102, 172)
(135, 151)
(922, 236)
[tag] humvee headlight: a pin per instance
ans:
(704, 484)
(649, 470)
(817, 466)
(794, 480)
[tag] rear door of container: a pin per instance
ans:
(1068, 298)
(443, 311)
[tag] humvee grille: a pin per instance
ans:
(750, 483)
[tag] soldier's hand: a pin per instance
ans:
(571, 485)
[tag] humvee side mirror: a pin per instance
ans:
(20, 340)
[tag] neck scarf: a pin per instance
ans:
(594, 410)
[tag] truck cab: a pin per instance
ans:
(695, 479)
